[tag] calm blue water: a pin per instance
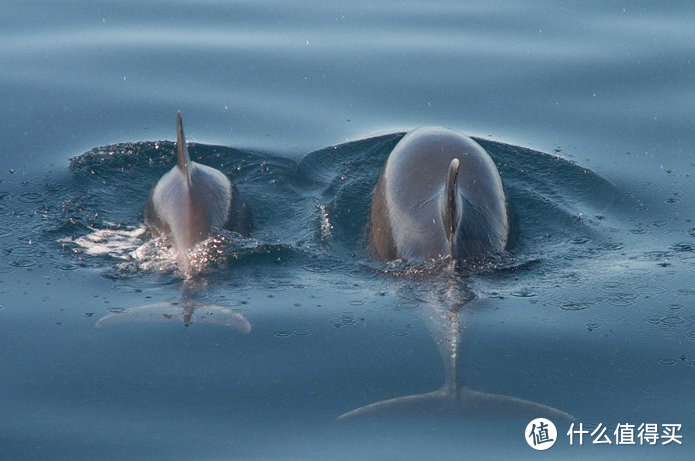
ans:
(587, 110)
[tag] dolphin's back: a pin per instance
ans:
(191, 200)
(410, 206)
(189, 211)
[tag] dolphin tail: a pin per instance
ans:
(464, 403)
(449, 212)
(182, 150)
(178, 313)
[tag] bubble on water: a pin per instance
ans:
(326, 225)
(117, 243)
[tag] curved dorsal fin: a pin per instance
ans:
(183, 159)
(449, 212)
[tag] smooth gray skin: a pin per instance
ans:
(414, 217)
(192, 199)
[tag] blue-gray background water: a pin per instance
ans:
(586, 108)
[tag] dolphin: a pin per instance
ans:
(440, 194)
(191, 200)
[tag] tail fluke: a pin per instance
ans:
(466, 403)
(178, 313)
(183, 159)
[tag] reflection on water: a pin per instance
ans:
(187, 310)
(444, 299)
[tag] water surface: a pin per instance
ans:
(585, 109)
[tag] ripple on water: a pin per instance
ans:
(568, 304)
(652, 393)
(649, 290)
(524, 293)
(22, 263)
(346, 319)
(23, 249)
(5, 231)
(667, 362)
(30, 197)
(401, 332)
(682, 247)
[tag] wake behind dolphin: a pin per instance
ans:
(191, 200)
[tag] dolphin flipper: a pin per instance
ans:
(175, 312)
(468, 403)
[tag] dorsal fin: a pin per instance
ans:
(449, 212)
(183, 159)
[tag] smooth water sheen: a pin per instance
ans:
(586, 110)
